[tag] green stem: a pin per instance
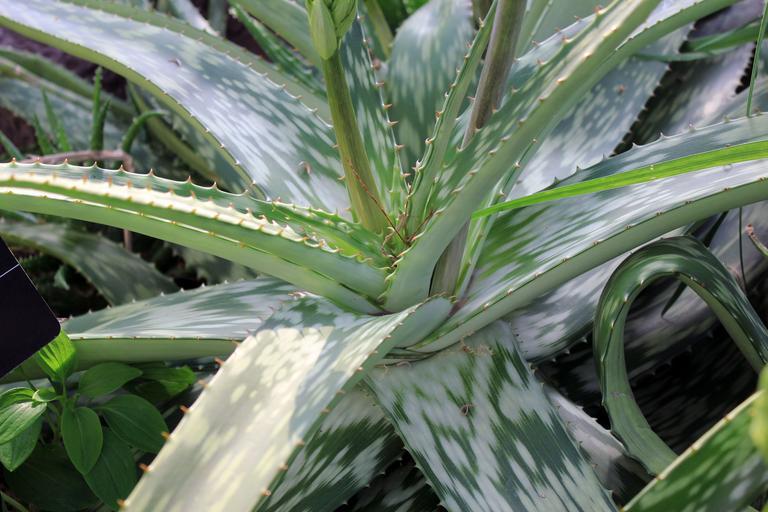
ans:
(12, 502)
(507, 24)
(380, 26)
(361, 186)
(501, 52)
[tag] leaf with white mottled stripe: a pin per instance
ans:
(101, 261)
(401, 489)
(428, 48)
(721, 471)
(481, 429)
(205, 322)
(575, 235)
(267, 236)
(267, 401)
(354, 443)
(689, 261)
(372, 118)
(239, 106)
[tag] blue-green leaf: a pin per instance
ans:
(267, 401)
(483, 432)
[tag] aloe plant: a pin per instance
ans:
(438, 219)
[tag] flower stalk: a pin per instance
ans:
(507, 23)
(329, 20)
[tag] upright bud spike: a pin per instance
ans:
(322, 29)
(329, 21)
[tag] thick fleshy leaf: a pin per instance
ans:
(613, 222)
(446, 131)
(720, 471)
(372, 118)
(352, 445)
(550, 88)
(428, 48)
(287, 19)
(687, 260)
(654, 332)
(205, 82)
(101, 261)
(550, 85)
(298, 245)
(206, 322)
(484, 434)
(267, 400)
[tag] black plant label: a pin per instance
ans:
(26, 322)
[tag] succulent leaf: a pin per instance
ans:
(289, 371)
(481, 429)
(203, 218)
(720, 471)
(688, 260)
(99, 260)
(263, 105)
(428, 47)
(501, 283)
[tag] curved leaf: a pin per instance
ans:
(574, 236)
(269, 398)
(720, 471)
(15, 452)
(205, 83)
(689, 261)
(18, 412)
(483, 432)
(470, 178)
(207, 219)
(101, 261)
(106, 378)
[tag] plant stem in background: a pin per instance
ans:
(361, 186)
(500, 55)
(380, 26)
